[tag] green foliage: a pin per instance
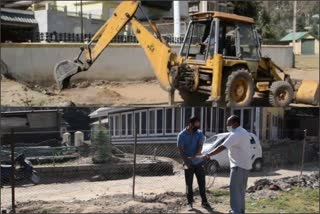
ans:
(263, 22)
(275, 19)
(301, 23)
(298, 200)
(315, 31)
(77, 117)
(247, 8)
(101, 145)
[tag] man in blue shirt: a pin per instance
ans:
(190, 141)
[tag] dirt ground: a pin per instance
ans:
(153, 194)
(102, 93)
(95, 93)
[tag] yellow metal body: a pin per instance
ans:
(267, 65)
(221, 15)
(155, 48)
(308, 92)
(122, 14)
(263, 86)
(217, 77)
(158, 53)
(162, 59)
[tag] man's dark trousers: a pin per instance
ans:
(198, 170)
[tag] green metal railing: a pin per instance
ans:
(35, 154)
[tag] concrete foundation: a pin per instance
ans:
(108, 171)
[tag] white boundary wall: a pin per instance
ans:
(34, 62)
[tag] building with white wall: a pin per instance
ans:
(161, 125)
(32, 126)
(65, 16)
(104, 9)
(305, 43)
(196, 6)
(52, 20)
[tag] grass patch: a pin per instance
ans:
(219, 196)
(220, 193)
(298, 200)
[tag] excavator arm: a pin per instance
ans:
(266, 64)
(155, 48)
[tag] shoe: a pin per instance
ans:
(189, 207)
(206, 205)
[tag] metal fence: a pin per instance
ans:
(54, 37)
(136, 171)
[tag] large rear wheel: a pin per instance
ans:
(193, 98)
(281, 94)
(239, 88)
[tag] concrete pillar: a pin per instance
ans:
(294, 26)
(203, 6)
(66, 138)
(47, 5)
(176, 19)
(78, 138)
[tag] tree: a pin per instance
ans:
(247, 8)
(101, 145)
(269, 33)
(78, 119)
(315, 30)
(301, 23)
(264, 24)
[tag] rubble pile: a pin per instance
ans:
(285, 184)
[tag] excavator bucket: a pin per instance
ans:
(100, 41)
(308, 92)
(63, 72)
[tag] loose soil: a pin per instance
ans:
(104, 93)
(154, 194)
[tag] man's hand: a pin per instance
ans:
(187, 165)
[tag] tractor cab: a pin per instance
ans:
(219, 47)
(232, 36)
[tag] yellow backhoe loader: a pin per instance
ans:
(219, 59)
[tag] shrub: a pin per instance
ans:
(101, 145)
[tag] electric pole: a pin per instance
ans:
(294, 25)
(81, 18)
(176, 20)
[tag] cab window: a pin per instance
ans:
(248, 42)
(198, 40)
(227, 39)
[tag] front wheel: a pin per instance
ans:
(281, 94)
